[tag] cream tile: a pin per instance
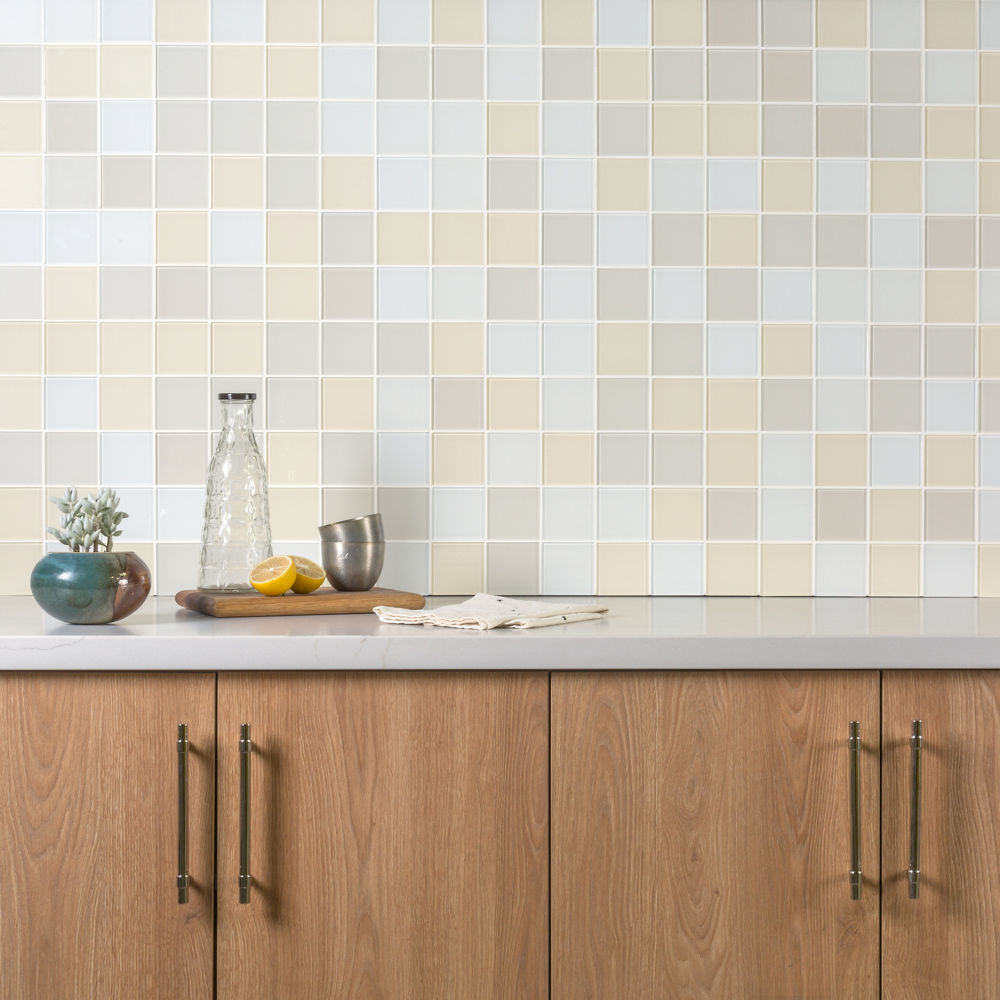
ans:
(622, 568)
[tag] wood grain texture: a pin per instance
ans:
(324, 601)
(88, 836)
(946, 944)
(399, 837)
(700, 836)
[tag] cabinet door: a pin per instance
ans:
(88, 836)
(399, 836)
(701, 836)
(942, 944)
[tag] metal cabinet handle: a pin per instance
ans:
(854, 743)
(246, 746)
(916, 744)
(183, 879)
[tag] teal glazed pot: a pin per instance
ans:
(90, 588)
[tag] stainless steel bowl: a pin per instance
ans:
(355, 529)
(353, 565)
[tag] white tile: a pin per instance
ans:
(950, 406)
(786, 459)
(896, 460)
(568, 349)
(459, 515)
(678, 569)
(568, 569)
(176, 565)
(20, 237)
(567, 404)
(403, 459)
(896, 24)
(678, 185)
(459, 293)
(238, 21)
(841, 295)
(732, 350)
(989, 516)
(787, 295)
(348, 127)
(403, 127)
(951, 78)
(126, 126)
(512, 349)
(568, 513)
(568, 185)
(841, 405)
(989, 460)
(567, 293)
(348, 72)
(20, 292)
(127, 458)
(70, 404)
(949, 570)
(897, 240)
(406, 567)
(622, 240)
(139, 526)
(513, 459)
(989, 24)
(406, 21)
(512, 22)
(403, 293)
(732, 185)
(787, 515)
(841, 350)
(841, 185)
(180, 513)
(950, 187)
(622, 22)
(127, 20)
(20, 21)
(70, 21)
(71, 237)
(127, 238)
(459, 185)
(512, 74)
(841, 76)
(678, 294)
(402, 184)
(622, 514)
(238, 238)
(896, 296)
(459, 128)
(568, 128)
(841, 569)
(404, 404)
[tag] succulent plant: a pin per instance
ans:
(86, 519)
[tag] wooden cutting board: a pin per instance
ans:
(325, 601)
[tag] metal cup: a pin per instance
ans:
(355, 529)
(353, 565)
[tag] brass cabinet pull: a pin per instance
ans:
(183, 879)
(246, 746)
(916, 744)
(854, 743)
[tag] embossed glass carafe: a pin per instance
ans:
(237, 531)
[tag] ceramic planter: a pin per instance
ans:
(90, 588)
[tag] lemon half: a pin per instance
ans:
(308, 575)
(273, 576)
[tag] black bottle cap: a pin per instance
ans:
(237, 396)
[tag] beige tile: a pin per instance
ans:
(949, 516)
(127, 71)
(732, 240)
(787, 75)
(70, 71)
(293, 293)
(894, 570)
(731, 569)
(126, 404)
(841, 515)
(22, 398)
(182, 21)
(512, 129)
(457, 237)
(292, 458)
(732, 130)
(512, 238)
(513, 404)
(182, 349)
(989, 187)
(732, 22)
(677, 130)
(20, 126)
(841, 459)
(622, 568)
(622, 74)
(458, 404)
(989, 352)
(568, 22)
(731, 459)
(786, 349)
(732, 515)
(457, 348)
(678, 239)
(786, 570)
(896, 186)
(348, 20)
(678, 515)
(70, 349)
(951, 241)
(622, 349)
(989, 133)
(403, 237)
(20, 514)
(348, 182)
(237, 348)
(456, 567)
(182, 237)
(458, 459)
(127, 349)
(732, 404)
(733, 294)
(347, 404)
(293, 21)
(292, 238)
(989, 78)
(989, 571)
(568, 459)
(238, 71)
(237, 181)
(788, 185)
(20, 182)
(951, 133)
(678, 404)
(842, 24)
(950, 460)
(294, 511)
(950, 24)
(293, 71)
(841, 131)
(950, 296)
(18, 558)
(21, 348)
(895, 516)
(678, 22)
(71, 293)
(457, 22)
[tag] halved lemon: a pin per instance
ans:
(273, 576)
(308, 575)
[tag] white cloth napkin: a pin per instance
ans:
(484, 611)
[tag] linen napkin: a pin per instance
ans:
(484, 611)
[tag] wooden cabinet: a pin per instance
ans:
(399, 836)
(88, 836)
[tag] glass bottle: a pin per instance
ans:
(237, 531)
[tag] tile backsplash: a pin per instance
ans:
(616, 296)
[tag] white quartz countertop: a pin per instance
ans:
(672, 633)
